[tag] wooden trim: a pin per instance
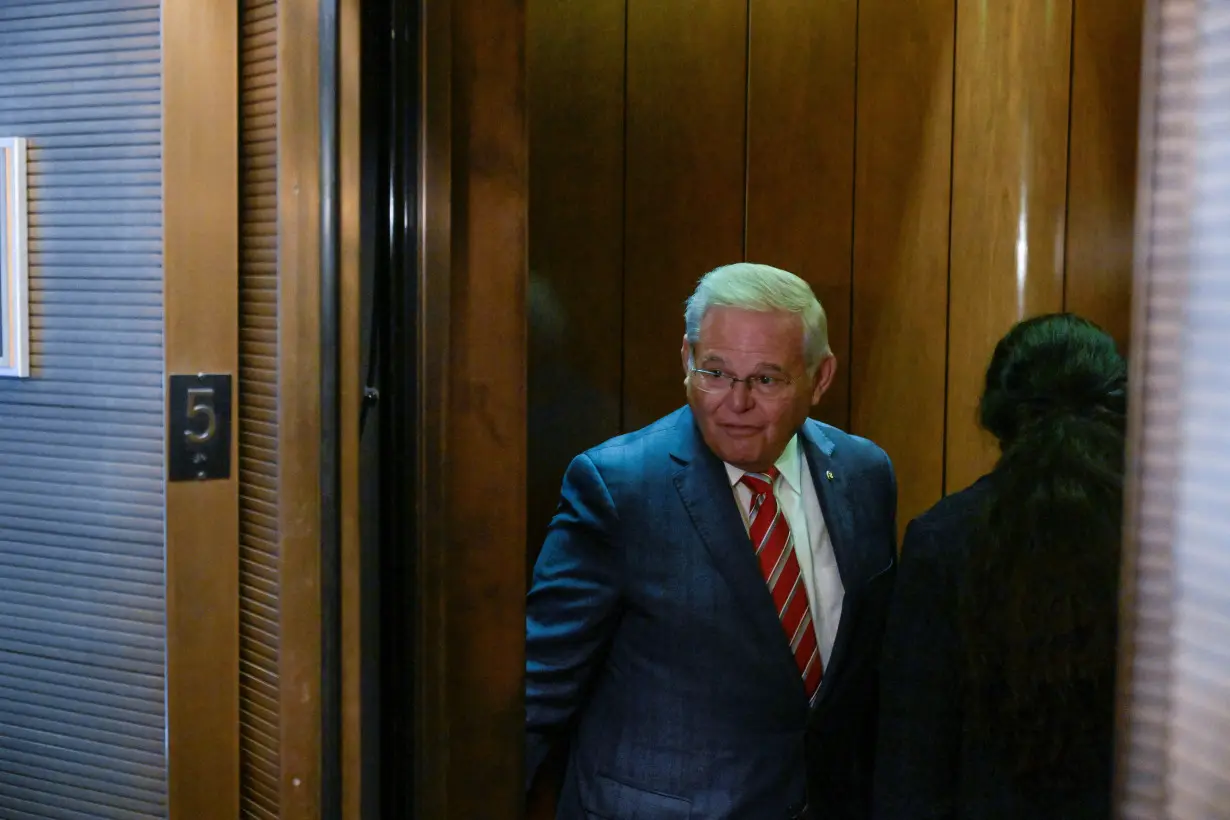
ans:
(431, 713)
(299, 404)
(351, 383)
(471, 494)
(200, 154)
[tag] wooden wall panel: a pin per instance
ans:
(1106, 55)
(1010, 139)
(200, 178)
(901, 225)
(472, 658)
(351, 387)
(686, 110)
(299, 407)
(575, 55)
(800, 163)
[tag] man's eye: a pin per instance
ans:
(766, 380)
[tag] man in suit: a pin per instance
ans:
(704, 620)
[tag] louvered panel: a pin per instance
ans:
(82, 607)
(258, 423)
(1157, 466)
(1178, 743)
(1199, 783)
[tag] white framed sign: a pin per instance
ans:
(14, 306)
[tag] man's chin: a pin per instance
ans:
(746, 455)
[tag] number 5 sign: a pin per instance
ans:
(199, 427)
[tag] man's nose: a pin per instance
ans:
(741, 396)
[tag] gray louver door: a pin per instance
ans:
(81, 459)
(260, 768)
(1175, 751)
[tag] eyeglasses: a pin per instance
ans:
(763, 385)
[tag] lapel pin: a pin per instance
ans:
(828, 474)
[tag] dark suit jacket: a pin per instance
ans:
(932, 764)
(654, 646)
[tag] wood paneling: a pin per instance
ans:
(469, 703)
(351, 386)
(901, 228)
(1106, 54)
(800, 159)
(200, 108)
(433, 698)
(686, 115)
(299, 405)
(1010, 139)
(576, 121)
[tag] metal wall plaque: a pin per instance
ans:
(199, 427)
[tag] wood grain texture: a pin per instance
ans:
(433, 701)
(351, 386)
(478, 551)
(687, 97)
(299, 406)
(1106, 55)
(200, 144)
(901, 232)
(800, 159)
(1010, 140)
(576, 126)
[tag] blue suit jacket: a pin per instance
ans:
(654, 648)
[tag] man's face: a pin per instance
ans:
(742, 426)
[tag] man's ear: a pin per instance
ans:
(823, 380)
(685, 355)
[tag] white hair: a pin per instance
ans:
(749, 286)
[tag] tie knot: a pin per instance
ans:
(761, 483)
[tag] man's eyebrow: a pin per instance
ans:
(714, 358)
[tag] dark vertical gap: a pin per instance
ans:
(391, 98)
(374, 128)
(330, 423)
(853, 232)
(1067, 182)
(623, 247)
(747, 125)
(952, 167)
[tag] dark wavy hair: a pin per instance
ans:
(1040, 602)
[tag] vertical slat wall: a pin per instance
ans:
(1174, 751)
(1200, 637)
(1168, 136)
(82, 604)
(258, 416)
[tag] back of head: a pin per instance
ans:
(1040, 601)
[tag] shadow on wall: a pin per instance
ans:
(562, 392)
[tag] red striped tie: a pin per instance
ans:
(780, 566)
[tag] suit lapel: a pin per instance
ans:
(838, 519)
(705, 490)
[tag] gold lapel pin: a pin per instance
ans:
(828, 474)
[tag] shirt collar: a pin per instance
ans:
(788, 464)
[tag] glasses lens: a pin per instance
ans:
(770, 387)
(709, 383)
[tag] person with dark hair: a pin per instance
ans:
(998, 666)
